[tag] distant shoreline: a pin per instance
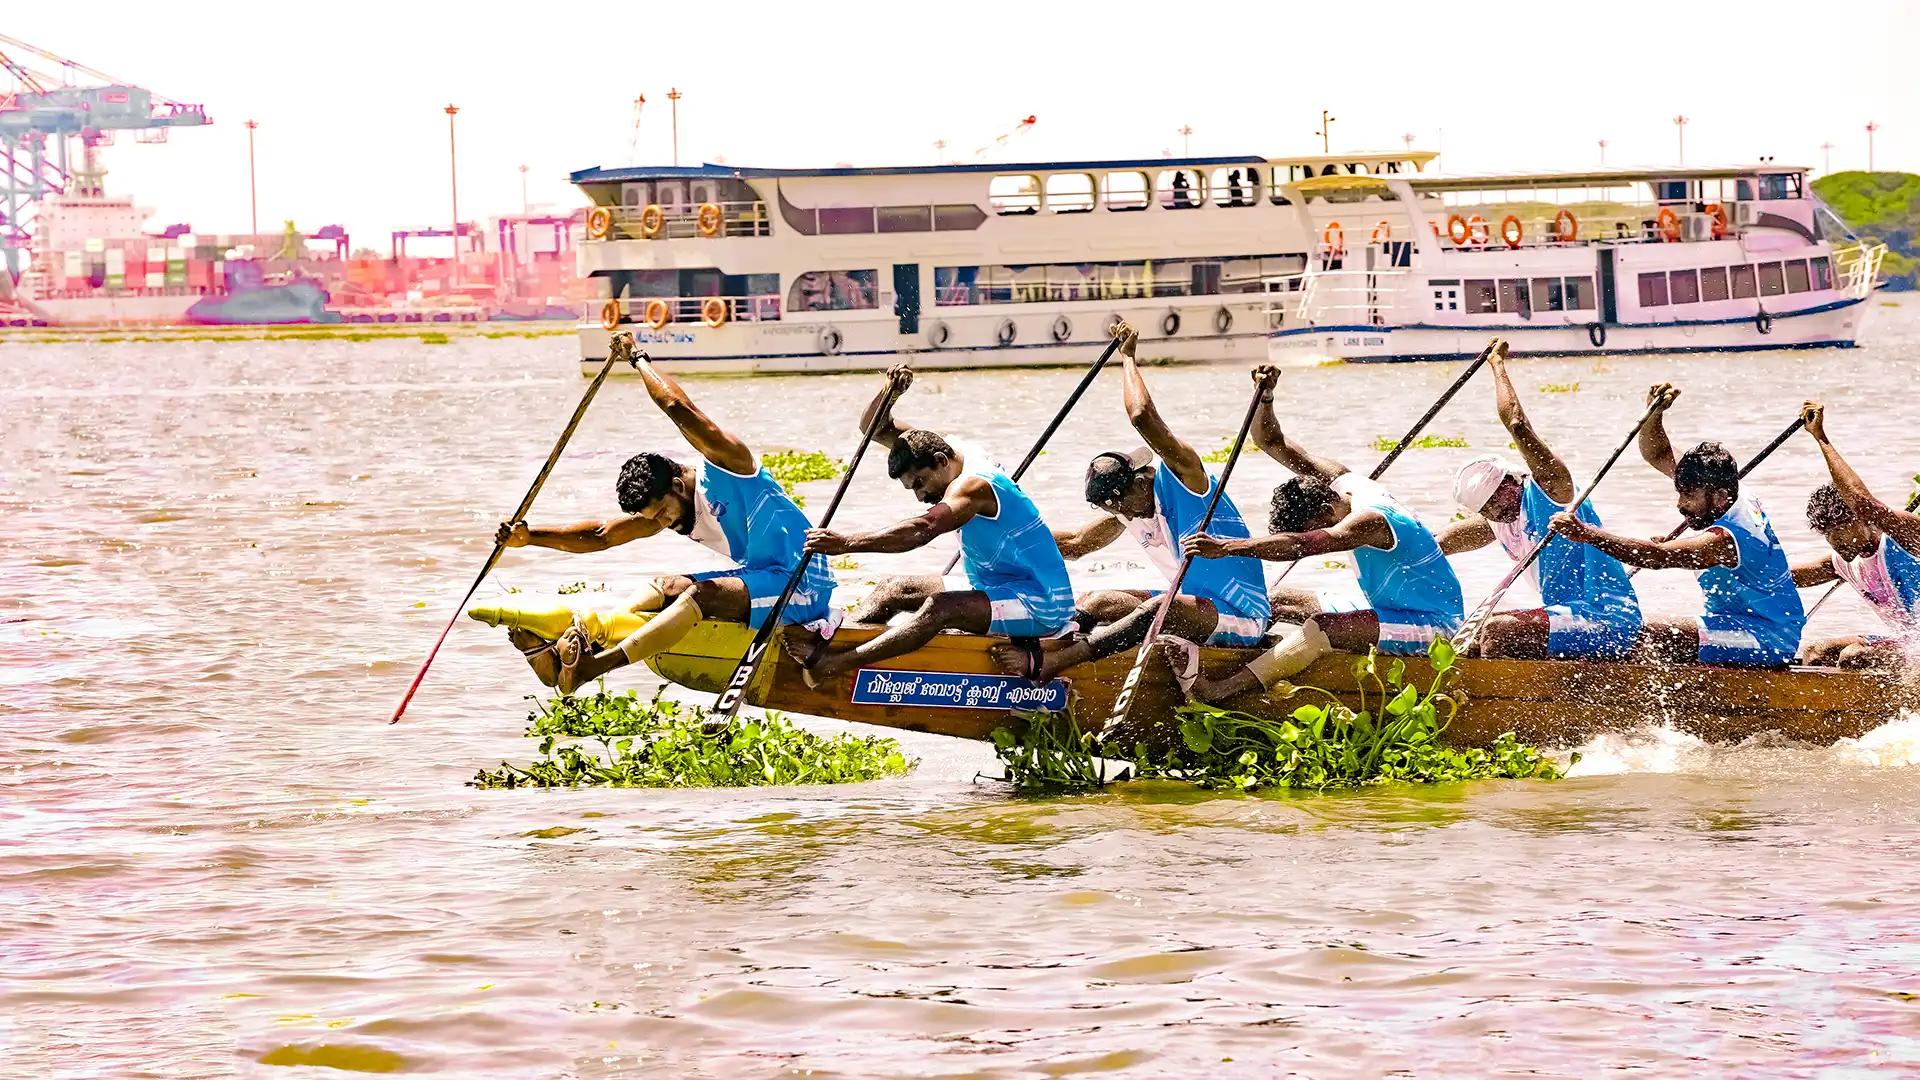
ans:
(429, 333)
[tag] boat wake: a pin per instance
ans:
(1657, 748)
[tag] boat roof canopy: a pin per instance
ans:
(615, 174)
(1592, 177)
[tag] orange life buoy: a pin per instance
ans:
(1510, 231)
(610, 315)
(1333, 239)
(1667, 223)
(710, 219)
(1457, 230)
(1719, 215)
(599, 223)
(1383, 231)
(652, 220)
(713, 312)
(1566, 227)
(1477, 232)
(658, 313)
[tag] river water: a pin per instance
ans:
(224, 560)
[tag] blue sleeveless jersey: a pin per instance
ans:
(1414, 576)
(1570, 575)
(1889, 579)
(752, 521)
(1236, 586)
(1759, 592)
(1014, 550)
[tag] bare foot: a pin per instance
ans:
(1220, 691)
(539, 654)
(805, 647)
(571, 648)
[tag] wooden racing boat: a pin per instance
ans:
(952, 687)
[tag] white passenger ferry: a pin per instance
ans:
(725, 269)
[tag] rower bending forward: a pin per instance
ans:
(1326, 507)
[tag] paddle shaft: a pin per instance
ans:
(1054, 425)
(1744, 470)
(728, 703)
(1412, 434)
(1124, 701)
(1913, 503)
(1479, 617)
(519, 512)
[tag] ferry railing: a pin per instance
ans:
(1618, 223)
(692, 309)
(1858, 268)
(683, 222)
(1340, 298)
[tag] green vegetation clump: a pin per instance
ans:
(1385, 443)
(792, 467)
(1218, 457)
(1560, 388)
(1882, 207)
(662, 744)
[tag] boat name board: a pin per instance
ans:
(954, 690)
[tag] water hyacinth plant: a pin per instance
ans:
(792, 467)
(660, 743)
(1385, 443)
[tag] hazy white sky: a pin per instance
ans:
(350, 99)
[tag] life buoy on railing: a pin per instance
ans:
(1510, 231)
(713, 312)
(1597, 335)
(830, 341)
(1170, 325)
(1477, 231)
(1763, 322)
(1007, 332)
(610, 315)
(1667, 224)
(1566, 227)
(652, 220)
(1222, 321)
(659, 313)
(939, 334)
(1719, 215)
(1382, 232)
(710, 219)
(1457, 230)
(599, 223)
(1333, 240)
(1062, 328)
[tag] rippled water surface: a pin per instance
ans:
(224, 560)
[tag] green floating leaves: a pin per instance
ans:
(1560, 388)
(1047, 753)
(1219, 456)
(1384, 443)
(792, 467)
(660, 743)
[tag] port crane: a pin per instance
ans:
(41, 118)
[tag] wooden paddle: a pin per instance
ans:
(620, 348)
(1124, 700)
(1414, 431)
(1744, 470)
(1053, 426)
(1913, 504)
(1477, 621)
(728, 703)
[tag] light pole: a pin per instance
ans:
(1826, 157)
(1680, 132)
(1186, 136)
(453, 178)
(1325, 120)
(1871, 128)
(1408, 139)
(939, 151)
(673, 96)
(526, 208)
(253, 188)
(1603, 151)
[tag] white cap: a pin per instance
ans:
(1478, 479)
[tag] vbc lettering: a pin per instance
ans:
(742, 674)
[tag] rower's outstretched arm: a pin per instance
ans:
(1357, 530)
(1655, 447)
(1146, 420)
(1813, 570)
(707, 437)
(1089, 538)
(1701, 551)
(1268, 436)
(1548, 470)
(1470, 533)
(890, 429)
(581, 537)
(1903, 526)
(973, 495)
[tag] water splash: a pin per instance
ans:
(1660, 749)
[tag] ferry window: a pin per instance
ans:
(1797, 280)
(1235, 187)
(1780, 186)
(955, 285)
(1072, 281)
(899, 219)
(1513, 295)
(1670, 190)
(1742, 282)
(639, 194)
(1014, 194)
(957, 217)
(1743, 189)
(1205, 277)
(1122, 280)
(1580, 294)
(1481, 299)
(1685, 286)
(1180, 189)
(1822, 273)
(1653, 290)
(1549, 294)
(835, 290)
(1446, 298)
(1127, 191)
(845, 220)
(1240, 276)
(1070, 193)
(1713, 283)
(1771, 281)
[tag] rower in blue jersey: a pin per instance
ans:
(727, 503)
(1753, 616)
(1158, 495)
(1019, 585)
(1874, 549)
(1411, 590)
(1588, 607)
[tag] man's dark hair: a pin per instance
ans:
(915, 449)
(1827, 509)
(1707, 467)
(644, 478)
(1108, 477)
(1298, 501)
